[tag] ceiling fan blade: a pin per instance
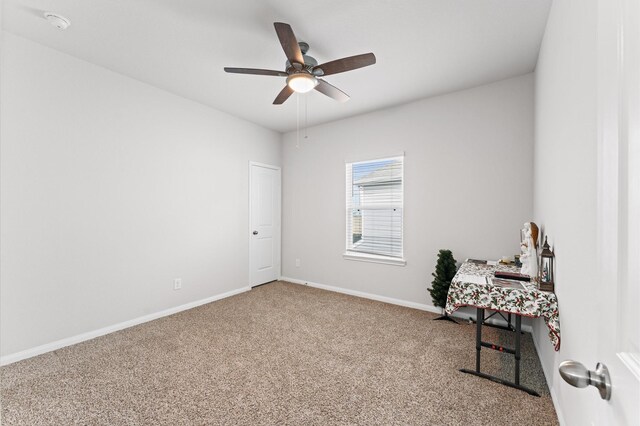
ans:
(283, 95)
(331, 91)
(255, 71)
(289, 42)
(346, 64)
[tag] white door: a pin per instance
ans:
(619, 210)
(264, 223)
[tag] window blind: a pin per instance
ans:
(374, 206)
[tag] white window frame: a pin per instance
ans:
(369, 257)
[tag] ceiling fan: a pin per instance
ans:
(303, 72)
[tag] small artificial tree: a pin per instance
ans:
(445, 271)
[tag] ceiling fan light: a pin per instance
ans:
(301, 82)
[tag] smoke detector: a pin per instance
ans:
(58, 21)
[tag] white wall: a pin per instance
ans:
(565, 188)
(468, 186)
(112, 188)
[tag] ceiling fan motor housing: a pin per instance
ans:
(309, 61)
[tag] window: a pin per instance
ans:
(374, 210)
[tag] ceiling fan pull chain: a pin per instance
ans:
(306, 115)
(297, 120)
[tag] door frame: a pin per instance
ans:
(253, 164)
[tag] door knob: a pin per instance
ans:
(255, 232)
(579, 376)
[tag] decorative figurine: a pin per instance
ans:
(528, 247)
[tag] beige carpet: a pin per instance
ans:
(279, 354)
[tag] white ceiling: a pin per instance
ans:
(423, 47)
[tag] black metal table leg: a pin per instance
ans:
(479, 314)
(517, 354)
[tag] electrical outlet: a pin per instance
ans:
(177, 284)
(297, 263)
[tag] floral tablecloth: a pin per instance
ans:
(529, 302)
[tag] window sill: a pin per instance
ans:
(373, 258)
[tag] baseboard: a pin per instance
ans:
(385, 299)
(420, 306)
(554, 396)
(48, 347)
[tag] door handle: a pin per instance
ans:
(255, 232)
(579, 376)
